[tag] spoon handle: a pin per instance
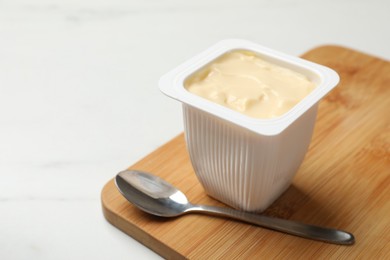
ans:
(287, 226)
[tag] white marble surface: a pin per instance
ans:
(79, 99)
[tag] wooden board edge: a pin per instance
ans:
(133, 231)
(323, 48)
(339, 48)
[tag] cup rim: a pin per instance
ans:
(172, 85)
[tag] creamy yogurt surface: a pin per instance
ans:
(242, 81)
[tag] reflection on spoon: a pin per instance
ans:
(157, 197)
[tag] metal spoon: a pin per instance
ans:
(158, 197)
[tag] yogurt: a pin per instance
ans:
(244, 82)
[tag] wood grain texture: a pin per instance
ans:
(342, 183)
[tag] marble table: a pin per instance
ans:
(79, 99)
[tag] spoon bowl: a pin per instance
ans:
(158, 197)
(151, 194)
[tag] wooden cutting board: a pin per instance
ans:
(343, 183)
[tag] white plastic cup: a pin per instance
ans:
(245, 162)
